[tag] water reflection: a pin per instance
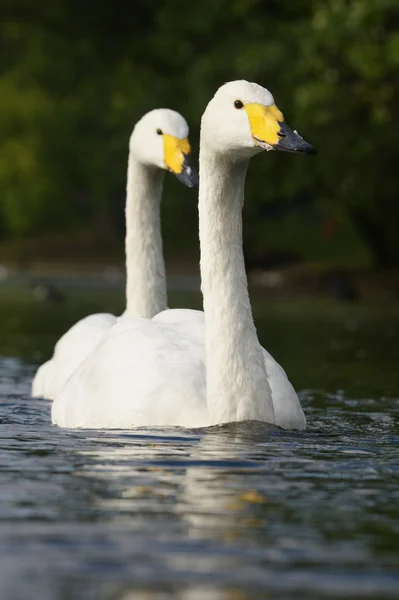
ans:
(189, 593)
(220, 496)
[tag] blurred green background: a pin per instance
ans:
(75, 77)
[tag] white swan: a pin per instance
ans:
(158, 143)
(189, 371)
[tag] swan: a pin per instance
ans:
(159, 142)
(191, 368)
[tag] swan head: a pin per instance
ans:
(160, 139)
(242, 119)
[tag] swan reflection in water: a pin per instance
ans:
(189, 501)
(190, 592)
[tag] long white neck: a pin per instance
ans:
(237, 384)
(145, 268)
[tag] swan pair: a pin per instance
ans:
(193, 368)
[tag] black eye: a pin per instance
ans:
(159, 131)
(238, 104)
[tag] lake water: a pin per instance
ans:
(242, 511)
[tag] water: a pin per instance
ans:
(241, 511)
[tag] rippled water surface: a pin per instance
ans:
(245, 511)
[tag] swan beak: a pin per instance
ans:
(291, 141)
(178, 160)
(189, 174)
(270, 131)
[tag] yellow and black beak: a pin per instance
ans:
(178, 160)
(269, 130)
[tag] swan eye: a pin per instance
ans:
(238, 104)
(159, 131)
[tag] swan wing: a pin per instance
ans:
(141, 373)
(287, 408)
(70, 350)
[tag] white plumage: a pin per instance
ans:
(186, 367)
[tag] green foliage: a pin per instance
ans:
(77, 75)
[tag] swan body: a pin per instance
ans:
(125, 392)
(185, 367)
(158, 143)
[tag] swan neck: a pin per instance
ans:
(145, 268)
(237, 384)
